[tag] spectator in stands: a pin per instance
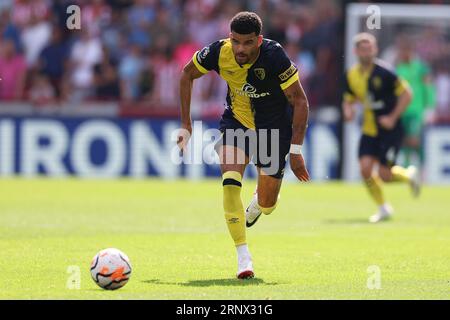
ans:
(166, 72)
(5, 5)
(130, 72)
(114, 35)
(86, 52)
(185, 50)
(278, 25)
(96, 16)
(24, 11)
(141, 35)
(13, 70)
(106, 80)
(41, 92)
(8, 30)
(35, 36)
(202, 24)
(140, 17)
(53, 59)
(147, 83)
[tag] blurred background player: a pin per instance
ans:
(384, 97)
(264, 95)
(418, 75)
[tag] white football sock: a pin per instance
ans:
(242, 250)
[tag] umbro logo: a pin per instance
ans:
(233, 220)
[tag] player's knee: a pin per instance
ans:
(385, 174)
(366, 172)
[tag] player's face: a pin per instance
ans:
(366, 51)
(245, 46)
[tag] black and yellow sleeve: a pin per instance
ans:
(286, 71)
(396, 83)
(207, 59)
(348, 94)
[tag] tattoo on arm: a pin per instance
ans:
(291, 95)
(192, 71)
(297, 99)
(294, 94)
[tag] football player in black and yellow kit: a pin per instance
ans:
(384, 97)
(266, 101)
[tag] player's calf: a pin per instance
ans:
(257, 207)
(253, 212)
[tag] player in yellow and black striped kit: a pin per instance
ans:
(265, 101)
(384, 97)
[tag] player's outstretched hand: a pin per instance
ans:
(184, 134)
(299, 168)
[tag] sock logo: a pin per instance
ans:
(233, 220)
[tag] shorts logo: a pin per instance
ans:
(202, 54)
(288, 73)
(260, 73)
(390, 155)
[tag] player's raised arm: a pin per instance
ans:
(297, 98)
(188, 75)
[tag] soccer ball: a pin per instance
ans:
(111, 269)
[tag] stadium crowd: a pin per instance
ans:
(133, 50)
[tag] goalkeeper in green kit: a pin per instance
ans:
(417, 74)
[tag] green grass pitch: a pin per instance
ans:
(316, 245)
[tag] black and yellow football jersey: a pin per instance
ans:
(255, 95)
(377, 90)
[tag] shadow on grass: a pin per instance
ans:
(347, 221)
(215, 282)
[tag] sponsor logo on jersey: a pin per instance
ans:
(248, 88)
(372, 104)
(202, 54)
(250, 91)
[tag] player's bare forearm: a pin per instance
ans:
(403, 102)
(297, 98)
(188, 75)
(389, 121)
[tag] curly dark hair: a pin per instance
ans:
(246, 22)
